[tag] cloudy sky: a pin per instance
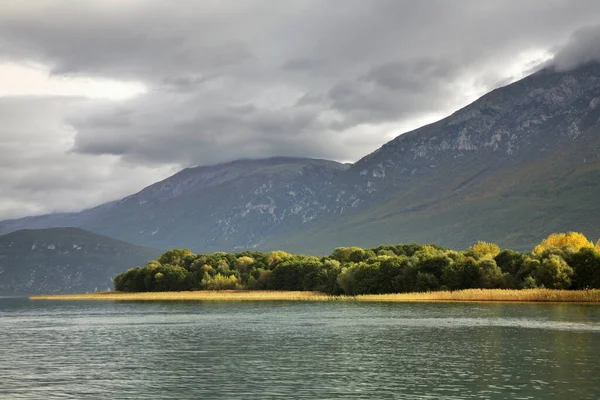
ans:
(99, 98)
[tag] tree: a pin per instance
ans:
(220, 282)
(483, 249)
(510, 261)
(244, 263)
(174, 257)
(490, 274)
(554, 273)
(351, 254)
(277, 256)
(563, 260)
(346, 281)
(586, 264)
(575, 240)
(468, 274)
(426, 282)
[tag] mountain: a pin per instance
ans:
(64, 260)
(515, 165)
(519, 163)
(228, 206)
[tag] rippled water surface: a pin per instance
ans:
(193, 350)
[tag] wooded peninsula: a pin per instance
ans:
(561, 261)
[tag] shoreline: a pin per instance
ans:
(467, 295)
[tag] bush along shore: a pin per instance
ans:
(563, 261)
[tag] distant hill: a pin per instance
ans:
(519, 163)
(64, 260)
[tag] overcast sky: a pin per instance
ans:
(100, 98)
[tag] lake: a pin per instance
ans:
(320, 350)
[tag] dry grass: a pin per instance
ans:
(493, 295)
(473, 295)
(205, 295)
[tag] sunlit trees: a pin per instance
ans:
(175, 256)
(220, 282)
(352, 254)
(483, 249)
(574, 240)
(275, 257)
(561, 261)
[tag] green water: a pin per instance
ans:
(194, 350)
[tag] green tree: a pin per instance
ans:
(175, 257)
(554, 273)
(586, 265)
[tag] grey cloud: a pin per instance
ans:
(582, 47)
(208, 135)
(414, 74)
(395, 90)
(301, 64)
(251, 79)
(38, 173)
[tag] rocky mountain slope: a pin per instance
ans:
(227, 206)
(64, 260)
(515, 165)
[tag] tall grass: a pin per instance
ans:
(497, 295)
(474, 295)
(204, 295)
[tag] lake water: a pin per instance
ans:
(195, 350)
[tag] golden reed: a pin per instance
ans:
(474, 295)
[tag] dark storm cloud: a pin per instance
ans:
(261, 78)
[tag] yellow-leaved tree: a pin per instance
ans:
(576, 240)
(276, 256)
(598, 246)
(483, 249)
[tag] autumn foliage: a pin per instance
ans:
(574, 240)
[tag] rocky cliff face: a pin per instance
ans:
(501, 169)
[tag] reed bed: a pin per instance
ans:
(469, 295)
(491, 295)
(203, 295)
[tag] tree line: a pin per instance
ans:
(561, 261)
